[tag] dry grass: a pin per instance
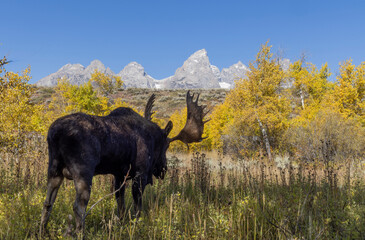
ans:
(205, 196)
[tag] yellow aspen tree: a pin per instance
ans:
(222, 115)
(70, 98)
(348, 96)
(310, 86)
(260, 111)
(18, 115)
(106, 84)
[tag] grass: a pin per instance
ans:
(205, 196)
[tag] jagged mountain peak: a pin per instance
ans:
(199, 54)
(196, 72)
(134, 75)
(239, 64)
(96, 63)
(233, 73)
(216, 72)
(134, 65)
(70, 66)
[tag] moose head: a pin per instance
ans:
(122, 143)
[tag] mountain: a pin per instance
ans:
(216, 72)
(133, 75)
(196, 72)
(75, 73)
(96, 65)
(233, 73)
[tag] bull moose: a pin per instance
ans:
(121, 143)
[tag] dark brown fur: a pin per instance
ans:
(82, 146)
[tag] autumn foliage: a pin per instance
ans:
(254, 120)
(295, 140)
(272, 103)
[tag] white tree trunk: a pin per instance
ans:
(265, 138)
(302, 97)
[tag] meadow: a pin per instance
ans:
(204, 196)
(283, 157)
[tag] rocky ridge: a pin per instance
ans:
(133, 75)
(75, 73)
(196, 72)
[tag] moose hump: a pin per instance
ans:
(123, 144)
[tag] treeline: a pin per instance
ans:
(294, 112)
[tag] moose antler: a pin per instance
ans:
(147, 112)
(194, 127)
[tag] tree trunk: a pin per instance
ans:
(302, 97)
(265, 137)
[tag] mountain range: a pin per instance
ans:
(196, 72)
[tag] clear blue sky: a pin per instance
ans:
(161, 35)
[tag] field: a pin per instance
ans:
(277, 162)
(205, 196)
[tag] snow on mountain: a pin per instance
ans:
(196, 72)
(133, 75)
(75, 73)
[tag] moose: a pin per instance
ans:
(123, 144)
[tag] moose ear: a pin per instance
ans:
(168, 128)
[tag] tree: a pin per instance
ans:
(328, 137)
(18, 115)
(106, 84)
(310, 86)
(348, 96)
(260, 110)
(216, 129)
(70, 98)
(309, 83)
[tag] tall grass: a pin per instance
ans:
(204, 196)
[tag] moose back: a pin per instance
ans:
(121, 143)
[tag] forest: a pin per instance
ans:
(283, 157)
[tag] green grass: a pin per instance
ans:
(203, 197)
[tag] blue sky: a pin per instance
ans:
(161, 35)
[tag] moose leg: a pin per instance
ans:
(138, 186)
(54, 184)
(83, 189)
(119, 195)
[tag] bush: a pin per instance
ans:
(327, 138)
